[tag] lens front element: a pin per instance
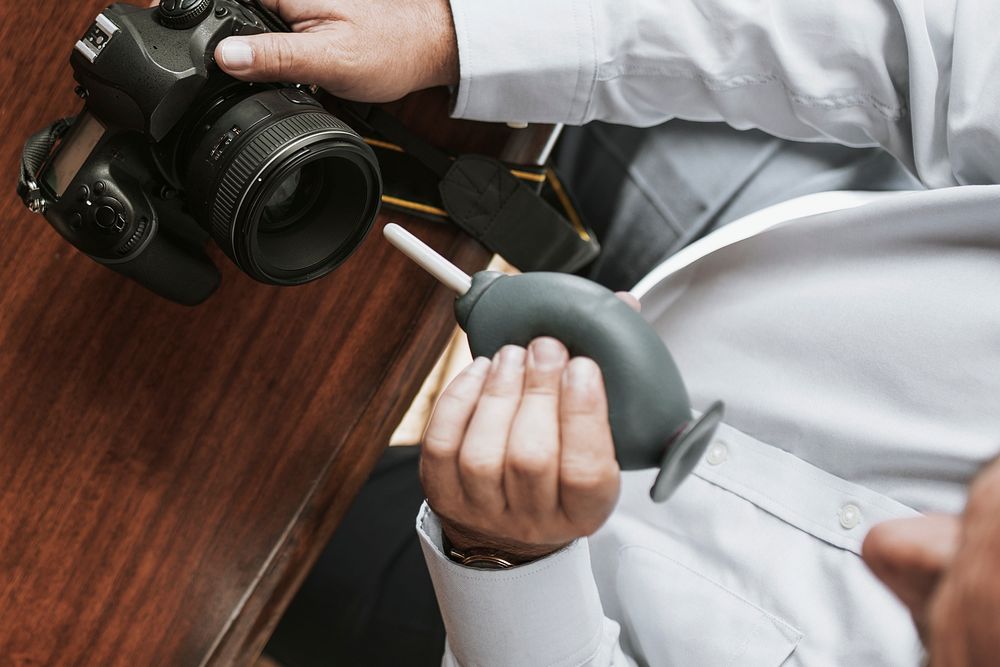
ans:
(290, 201)
(311, 214)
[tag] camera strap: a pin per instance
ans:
(533, 229)
(34, 155)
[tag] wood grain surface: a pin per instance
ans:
(169, 474)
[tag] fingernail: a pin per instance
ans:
(546, 354)
(236, 54)
(581, 373)
(511, 357)
(478, 368)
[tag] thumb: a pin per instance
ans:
(279, 57)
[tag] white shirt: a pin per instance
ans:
(857, 350)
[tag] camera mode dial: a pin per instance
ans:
(183, 14)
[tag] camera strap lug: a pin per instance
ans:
(33, 199)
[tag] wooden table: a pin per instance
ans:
(168, 475)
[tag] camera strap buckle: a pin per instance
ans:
(503, 213)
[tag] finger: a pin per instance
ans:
(484, 448)
(443, 436)
(308, 57)
(630, 300)
(588, 471)
(531, 469)
(909, 556)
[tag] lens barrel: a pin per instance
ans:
(287, 190)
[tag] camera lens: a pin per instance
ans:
(286, 189)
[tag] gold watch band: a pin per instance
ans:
(482, 561)
(481, 558)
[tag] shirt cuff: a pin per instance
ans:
(546, 612)
(524, 60)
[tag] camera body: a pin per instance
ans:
(170, 151)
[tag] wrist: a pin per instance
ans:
(442, 59)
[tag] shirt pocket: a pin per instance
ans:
(677, 616)
(758, 552)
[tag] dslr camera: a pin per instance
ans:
(169, 151)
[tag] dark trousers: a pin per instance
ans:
(368, 600)
(647, 193)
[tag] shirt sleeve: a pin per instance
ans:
(547, 612)
(914, 77)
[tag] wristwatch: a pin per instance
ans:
(481, 558)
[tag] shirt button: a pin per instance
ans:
(850, 516)
(718, 453)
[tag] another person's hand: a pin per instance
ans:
(945, 569)
(363, 50)
(518, 455)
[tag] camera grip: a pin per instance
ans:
(173, 269)
(648, 405)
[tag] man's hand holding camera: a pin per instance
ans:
(364, 50)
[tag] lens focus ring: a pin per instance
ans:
(248, 163)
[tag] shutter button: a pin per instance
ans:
(850, 516)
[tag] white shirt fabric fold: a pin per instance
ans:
(915, 77)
